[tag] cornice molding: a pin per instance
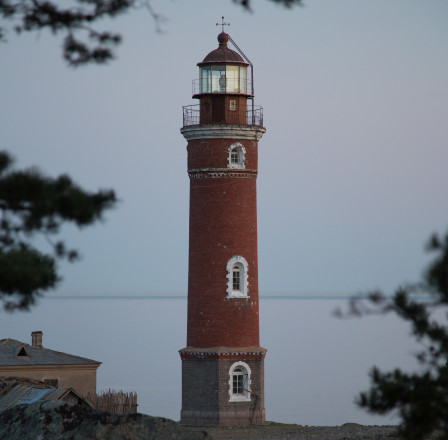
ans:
(216, 173)
(222, 352)
(252, 132)
(229, 355)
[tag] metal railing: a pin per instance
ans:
(192, 115)
(232, 85)
(251, 116)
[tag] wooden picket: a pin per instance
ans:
(117, 402)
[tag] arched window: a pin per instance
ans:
(237, 277)
(235, 156)
(239, 382)
(238, 377)
(236, 153)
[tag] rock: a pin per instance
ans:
(62, 421)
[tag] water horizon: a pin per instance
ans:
(312, 296)
(315, 365)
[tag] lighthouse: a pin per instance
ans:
(223, 362)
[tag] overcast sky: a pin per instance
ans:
(352, 169)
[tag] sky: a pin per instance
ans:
(352, 169)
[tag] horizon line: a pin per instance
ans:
(262, 296)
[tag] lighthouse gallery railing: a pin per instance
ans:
(253, 116)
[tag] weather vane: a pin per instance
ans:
(223, 23)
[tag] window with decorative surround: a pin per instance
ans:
(236, 154)
(237, 277)
(239, 382)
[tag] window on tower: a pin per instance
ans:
(237, 279)
(223, 79)
(239, 382)
(236, 155)
(238, 379)
(218, 77)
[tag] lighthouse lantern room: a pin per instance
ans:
(223, 363)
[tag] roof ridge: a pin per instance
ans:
(5, 341)
(40, 356)
(67, 354)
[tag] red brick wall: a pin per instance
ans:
(212, 153)
(223, 223)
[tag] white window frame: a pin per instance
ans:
(241, 263)
(245, 396)
(241, 156)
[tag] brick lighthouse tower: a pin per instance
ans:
(223, 363)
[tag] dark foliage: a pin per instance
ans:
(72, 19)
(31, 204)
(247, 4)
(421, 398)
(75, 19)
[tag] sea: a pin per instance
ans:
(315, 367)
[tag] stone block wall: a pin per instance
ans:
(206, 397)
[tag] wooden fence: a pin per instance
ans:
(116, 402)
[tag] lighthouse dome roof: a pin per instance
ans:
(223, 54)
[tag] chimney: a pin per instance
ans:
(36, 339)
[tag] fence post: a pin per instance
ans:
(117, 402)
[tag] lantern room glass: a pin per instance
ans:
(223, 79)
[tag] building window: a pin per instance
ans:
(236, 155)
(52, 382)
(237, 277)
(232, 105)
(222, 83)
(239, 382)
(22, 352)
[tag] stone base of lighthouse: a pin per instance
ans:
(222, 386)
